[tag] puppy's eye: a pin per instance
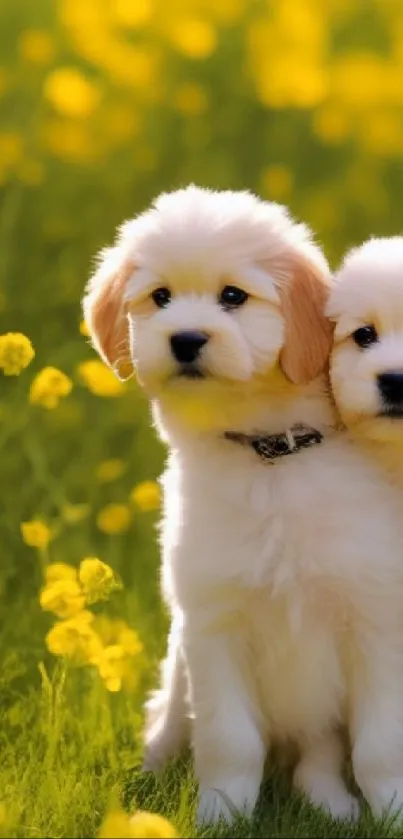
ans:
(232, 297)
(161, 297)
(365, 336)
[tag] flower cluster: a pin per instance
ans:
(36, 533)
(142, 825)
(114, 518)
(48, 387)
(80, 635)
(146, 496)
(16, 352)
(99, 379)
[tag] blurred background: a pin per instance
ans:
(104, 104)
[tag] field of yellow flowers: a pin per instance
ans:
(103, 104)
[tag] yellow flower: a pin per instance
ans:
(120, 645)
(48, 387)
(36, 533)
(143, 825)
(75, 638)
(229, 10)
(110, 470)
(100, 379)
(84, 329)
(16, 352)
(97, 579)
(151, 826)
(128, 639)
(116, 825)
(36, 46)
(112, 666)
(361, 80)
(74, 513)
(147, 496)
(282, 83)
(132, 14)
(194, 38)
(57, 571)
(70, 92)
(114, 518)
(63, 597)
(115, 666)
(116, 631)
(134, 66)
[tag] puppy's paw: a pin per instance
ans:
(213, 807)
(232, 797)
(329, 793)
(385, 796)
(341, 805)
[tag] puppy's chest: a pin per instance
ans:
(250, 528)
(259, 547)
(297, 645)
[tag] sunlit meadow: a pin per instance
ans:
(103, 104)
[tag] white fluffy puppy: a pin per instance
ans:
(283, 573)
(366, 305)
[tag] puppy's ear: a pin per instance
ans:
(105, 312)
(308, 333)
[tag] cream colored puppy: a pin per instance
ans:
(281, 561)
(366, 305)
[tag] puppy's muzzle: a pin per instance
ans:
(187, 345)
(390, 385)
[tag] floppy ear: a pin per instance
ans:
(106, 315)
(308, 333)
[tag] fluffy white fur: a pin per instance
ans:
(285, 581)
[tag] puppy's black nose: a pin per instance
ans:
(186, 345)
(390, 385)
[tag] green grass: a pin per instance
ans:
(68, 754)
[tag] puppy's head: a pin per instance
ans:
(366, 305)
(208, 293)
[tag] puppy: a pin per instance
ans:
(281, 561)
(366, 305)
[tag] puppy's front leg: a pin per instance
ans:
(228, 742)
(377, 724)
